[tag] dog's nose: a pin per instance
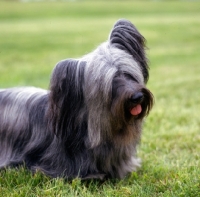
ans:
(137, 97)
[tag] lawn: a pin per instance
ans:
(35, 36)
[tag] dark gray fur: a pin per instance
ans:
(82, 126)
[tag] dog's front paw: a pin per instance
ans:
(94, 176)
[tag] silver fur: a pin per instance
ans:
(82, 126)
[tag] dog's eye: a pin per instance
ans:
(130, 77)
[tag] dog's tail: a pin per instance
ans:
(125, 36)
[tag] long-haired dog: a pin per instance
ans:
(89, 123)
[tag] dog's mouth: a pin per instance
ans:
(136, 110)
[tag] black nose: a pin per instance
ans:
(137, 97)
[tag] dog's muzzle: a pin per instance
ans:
(140, 103)
(136, 101)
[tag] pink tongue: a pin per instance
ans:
(136, 110)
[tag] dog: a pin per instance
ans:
(89, 123)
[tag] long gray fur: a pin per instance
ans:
(82, 126)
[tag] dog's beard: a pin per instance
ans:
(128, 96)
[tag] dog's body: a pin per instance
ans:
(89, 123)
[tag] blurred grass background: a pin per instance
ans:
(34, 36)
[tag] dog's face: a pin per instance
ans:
(107, 87)
(130, 99)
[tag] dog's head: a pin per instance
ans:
(115, 91)
(129, 82)
(105, 89)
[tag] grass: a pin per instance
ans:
(35, 36)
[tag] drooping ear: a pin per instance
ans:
(126, 37)
(66, 94)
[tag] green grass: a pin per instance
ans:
(35, 36)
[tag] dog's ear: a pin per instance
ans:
(66, 96)
(126, 37)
